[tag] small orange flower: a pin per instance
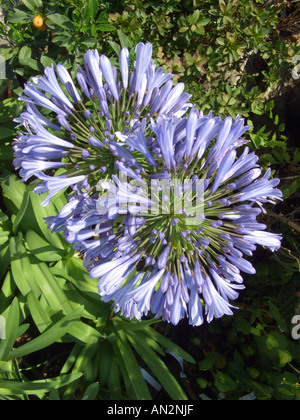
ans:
(38, 22)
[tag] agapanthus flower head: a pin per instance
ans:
(163, 202)
(79, 137)
(174, 243)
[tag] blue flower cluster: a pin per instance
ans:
(163, 206)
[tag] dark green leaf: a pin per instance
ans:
(262, 392)
(124, 40)
(91, 392)
(25, 55)
(49, 337)
(37, 387)
(30, 4)
(158, 368)
(6, 133)
(135, 383)
(285, 357)
(60, 20)
(39, 316)
(18, 16)
(106, 27)
(12, 330)
(224, 382)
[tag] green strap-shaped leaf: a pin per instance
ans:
(21, 267)
(86, 355)
(14, 191)
(5, 260)
(71, 359)
(114, 379)
(41, 213)
(11, 330)
(37, 387)
(168, 344)
(106, 356)
(91, 392)
(41, 319)
(49, 337)
(51, 289)
(85, 333)
(158, 368)
(42, 249)
(7, 291)
(21, 212)
(135, 383)
(6, 133)
(92, 310)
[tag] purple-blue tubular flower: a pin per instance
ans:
(191, 127)
(49, 84)
(55, 185)
(192, 258)
(224, 167)
(33, 115)
(164, 131)
(124, 66)
(83, 84)
(138, 142)
(143, 60)
(36, 97)
(67, 81)
(107, 71)
(93, 71)
(163, 258)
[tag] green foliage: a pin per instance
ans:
(62, 342)
(206, 43)
(253, 354)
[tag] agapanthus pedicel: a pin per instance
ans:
(82, 142)
(187, 262)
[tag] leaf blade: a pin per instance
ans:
(52, 335)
